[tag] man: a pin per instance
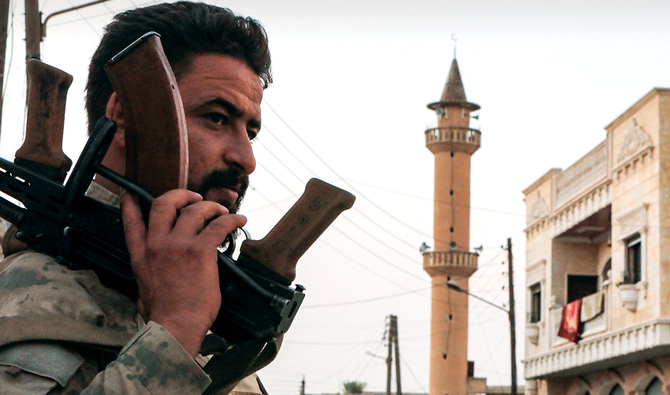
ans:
(222, 65)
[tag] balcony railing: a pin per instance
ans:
(450, 262)
(453, 138)
(636, 343)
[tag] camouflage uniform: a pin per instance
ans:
(44, 306)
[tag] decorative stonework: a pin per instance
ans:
(628, 294)
(533, 332)
(538, 210)
(605, 349)
(634, 221)
(583, 174)
(635, 140)
(536, 272)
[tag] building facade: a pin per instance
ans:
(598, 235)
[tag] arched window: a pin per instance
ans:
(655, 387)
(617, 390)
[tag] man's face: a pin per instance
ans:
(222, 101)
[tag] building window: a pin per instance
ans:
(632, 273)
(535, 303)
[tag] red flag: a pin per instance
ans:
(570, 318)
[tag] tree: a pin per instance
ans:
(354, 387)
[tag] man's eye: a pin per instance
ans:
(252, 134)
(217, 118)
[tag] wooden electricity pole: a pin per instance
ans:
(393, 343)
(512, 320)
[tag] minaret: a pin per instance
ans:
(453, 142)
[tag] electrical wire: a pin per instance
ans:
(347, 236)
(344, 180)
(355, 208)
(364, 300)
(438, 201)
(413, 375)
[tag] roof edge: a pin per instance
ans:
(543, 178)
(636, 106)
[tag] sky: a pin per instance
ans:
(348, 105)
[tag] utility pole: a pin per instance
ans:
(4, 19)
(389, 358)
(302, 386)
(512, 320)
(393, 343)
(394, 333)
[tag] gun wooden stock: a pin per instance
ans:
(299, 228)
(153, 116)
(42, 149)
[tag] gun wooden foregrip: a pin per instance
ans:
(42, 149)
(153, 116)
(299, 228)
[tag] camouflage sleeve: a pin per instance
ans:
(153, 362)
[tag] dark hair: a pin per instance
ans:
(187, 29)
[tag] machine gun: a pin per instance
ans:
(258, 302)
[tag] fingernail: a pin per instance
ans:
(122, 191)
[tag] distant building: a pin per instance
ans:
(598, 235)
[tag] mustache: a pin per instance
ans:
(231, 178)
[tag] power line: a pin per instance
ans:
(344, 180)
(366, 300)
(384, 229)
(413, 375)
(438, 201)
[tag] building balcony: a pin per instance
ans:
(453, 139)
(631, 344)
(453, 263)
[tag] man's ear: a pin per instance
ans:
(114, 113)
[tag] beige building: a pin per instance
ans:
(599, 231)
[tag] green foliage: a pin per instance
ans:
(354, 387)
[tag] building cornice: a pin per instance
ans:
(635, 107)
(542, 179)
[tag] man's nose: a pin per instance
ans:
(239, 152)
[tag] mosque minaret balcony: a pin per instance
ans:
(453, 139)
(453, 263)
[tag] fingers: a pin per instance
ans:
(192, 218)
(166, 207)
(217, 230)
(133, 224)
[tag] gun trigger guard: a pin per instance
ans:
(229, 242)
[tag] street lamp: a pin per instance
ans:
(451, 284)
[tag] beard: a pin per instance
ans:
(231, 178)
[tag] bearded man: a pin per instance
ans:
(222, 64)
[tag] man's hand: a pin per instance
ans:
(174, 260)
